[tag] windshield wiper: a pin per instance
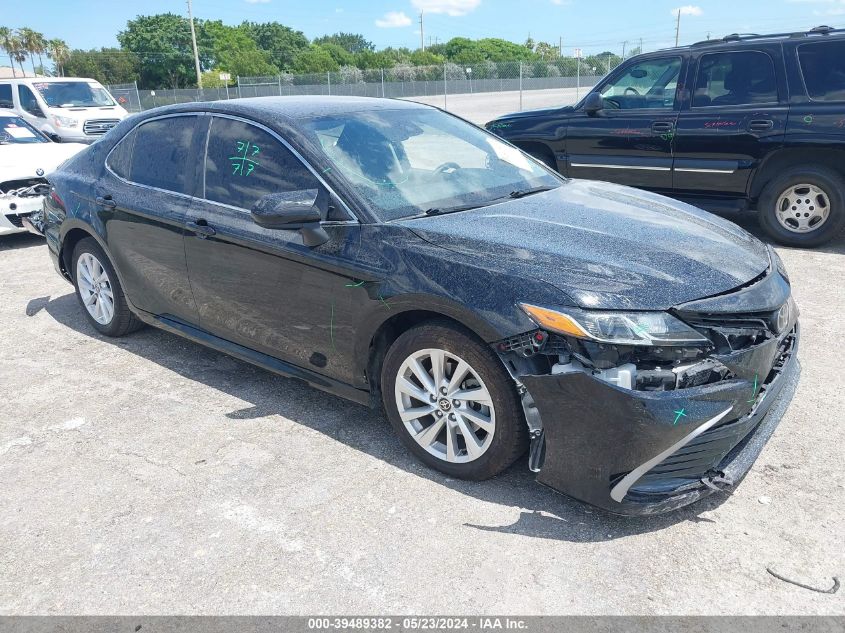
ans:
(521, 193)
(457, 209)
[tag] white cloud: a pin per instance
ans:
(393, 19)
(560, 3)
(449, 7)
(689, 9)
(256, 1)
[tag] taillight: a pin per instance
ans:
(56, 199)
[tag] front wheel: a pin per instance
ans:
(805, 206)
(452, 403)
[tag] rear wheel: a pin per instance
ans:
(805, 206)
(452, 403)
(99, 291)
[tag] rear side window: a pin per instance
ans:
(120, 159)
(244, 163)
(823, 67)
(739, 78)
(161, 154)
(6, 96)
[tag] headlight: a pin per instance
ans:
(65, 121)
(777, 262)
(620, 328)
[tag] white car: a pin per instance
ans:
(26, 157)
(67, 109)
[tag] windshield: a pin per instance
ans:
(408, 162)
(15, 130)
(67, 94)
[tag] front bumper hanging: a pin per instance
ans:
(646, 452)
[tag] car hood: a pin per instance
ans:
(604, 246)
(532, 114)
(24, 160)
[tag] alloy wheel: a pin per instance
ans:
(803, 208)
(445, 405)
(95, 288)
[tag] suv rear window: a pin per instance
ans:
(823, 67)
(6, 96)
(740, 78)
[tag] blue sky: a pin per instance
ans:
(593, 25)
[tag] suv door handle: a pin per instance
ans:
(661, 127)
(761, 125)
(201, 229)
(106, 201)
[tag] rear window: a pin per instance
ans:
(6, 96)
(161, 154)
(823, 67)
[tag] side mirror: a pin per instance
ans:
(292, 210)
(593, 103)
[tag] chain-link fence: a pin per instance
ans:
(517, 86)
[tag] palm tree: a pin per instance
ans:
(40, 43)
(6, 36)
(29, 42)
(16, 50)
(58, 51)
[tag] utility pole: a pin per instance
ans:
(194, 42)
(678, 28)
(624, 46)
(641, 46)
(422, 32)
(560, 48)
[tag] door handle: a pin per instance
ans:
(106, 201)
(761, 125)
(201, 229)
(661, 127)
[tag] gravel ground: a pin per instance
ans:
(149, 475)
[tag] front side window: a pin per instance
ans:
(740, 78)
(14, 130)
(823, 67)
(407, 161)
(650, 84)
(28, 102)
(6, 96)
(73, 94)
(161, 154)
(244, 163)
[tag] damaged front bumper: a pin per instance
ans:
(645, 452)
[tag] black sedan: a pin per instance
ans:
(398, 256)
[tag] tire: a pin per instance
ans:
(787, 208)
(89, 264)
(496, 446)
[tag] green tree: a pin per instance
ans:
(350, 42)
(340, 55)
(234, 51)
(107, 65)
(314, 59)
(30, 43)
(281, 42)
(7, 43)
(58, 51)
(162, 44)
(426, 58)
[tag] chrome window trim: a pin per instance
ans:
(138, 184)
(291, 149)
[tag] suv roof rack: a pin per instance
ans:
(741, 37)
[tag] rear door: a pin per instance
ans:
(143, 198)
(630, 140)
(735, 116)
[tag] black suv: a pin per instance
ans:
(744, 122)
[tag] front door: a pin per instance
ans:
(629, 141)
(736, 115)
(142, 200)
(31, 111)
(263, 288)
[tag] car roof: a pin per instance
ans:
(819, 33)
(39, 80)
(289, 109)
